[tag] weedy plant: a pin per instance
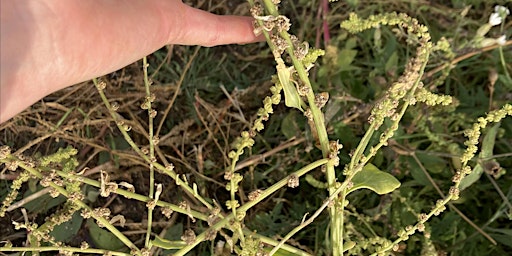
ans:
(226, 225)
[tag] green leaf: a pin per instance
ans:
(103, 239)
(501, 235)
(289, 126)
(488, 142)
(502, 239)
(392, 63)
(433, 164)
(353, 4)
(507, 81)
(374, 179)
(417, 174)
(65, 231)
(345, 59)
(351, 43)
(172, 234)
(487, 149)
(291, 95)
(43, 203)
(348, 245)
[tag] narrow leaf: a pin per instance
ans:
(315, 183)
(167, 244)
(291, 95)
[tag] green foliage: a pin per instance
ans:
(388, 108)
(67, 230)
(103, 238)
(44, 203)
(374, 179)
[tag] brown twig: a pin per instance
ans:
(261, 157)
(463, 57)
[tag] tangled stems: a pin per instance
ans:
(132, 195)
(245, 141)
(124, 128)
(261, 196)
(8, 158)
(75, 200)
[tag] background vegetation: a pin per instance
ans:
(205, 97)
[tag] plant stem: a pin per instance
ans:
(148, 100)
(104, 222)
(117, 119)
(267, 192)
(132, 195)
(59, 248)
(273, 242)
(504, 64)
(318, 119)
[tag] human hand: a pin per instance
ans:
(47, 45)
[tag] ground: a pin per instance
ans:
(205, 98)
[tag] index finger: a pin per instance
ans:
(199, 27)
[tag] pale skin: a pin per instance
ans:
(47, 45)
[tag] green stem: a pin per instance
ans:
(361, 147)
(502, 56)
(267, 192)
(358, 161)
(82, 205)
(59, 248)
(132, 195)
(274, 243)
(415, 227)
(318, 119)
(151, 149)
(362, 161)
(117, 118)
(357, 164)
(232, 192)
(504, 63)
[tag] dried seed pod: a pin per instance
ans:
(152, 113)
(101, 85)
(293, 181)
(282, 23)
(255, 194)
(256, 10)
(115, 106)
(279, 43)
(156, 139)
(309, 115)
(304, 90)
(301, 50)
(321, 99)
(189, 236)
(144, 105)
